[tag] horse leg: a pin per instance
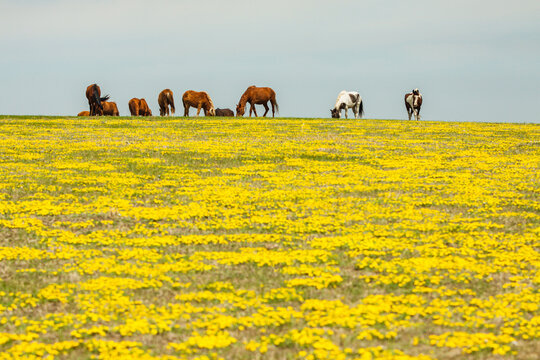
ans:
(266, 108)
(254, 110)
(199, 109)
(346, 113)
(186, 109)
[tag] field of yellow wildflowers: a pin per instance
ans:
(209, 238)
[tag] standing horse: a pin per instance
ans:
(257, 95)
(110, 108)
(347, 100)
(413, 103)
(165, 99)
(93, 93)
(139, 107)
(200, 100)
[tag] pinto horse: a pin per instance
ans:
(199, 100)
(165, 99)
(413, 103)
(257, 95)
(347, 100)
(139, 107)
(93, 93)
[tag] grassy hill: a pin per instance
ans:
(238, 238)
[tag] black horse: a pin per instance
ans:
(93, 93)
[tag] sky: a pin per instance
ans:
(472, 60)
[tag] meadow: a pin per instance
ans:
(239, 238)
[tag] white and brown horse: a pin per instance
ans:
(413, 103)
(347, 100)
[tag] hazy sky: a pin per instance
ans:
(472, 60)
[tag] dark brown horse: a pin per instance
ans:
(413, 103)
(257, 95)
(200, 100)
(165, 99)
(84, 113)
(139, 107)
(93, 93)
(110, 108)
(224, 112)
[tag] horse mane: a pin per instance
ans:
(209, 99)
(245, 96)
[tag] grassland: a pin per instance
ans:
(126, 238)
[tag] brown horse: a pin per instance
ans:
(200, 100)
(257, 95)
(413, 103)
(224, 112)
(110, 108)
(93, 93)
(84, 113)
(139, 107)
(165, 99)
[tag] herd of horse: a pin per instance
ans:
(253, 95)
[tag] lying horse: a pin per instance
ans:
(110, 108)
(165, 99)
(84, 113)
(347, 100)
(93, 93)
(224, 112)
(200, 100)
(413, 103)
(257, 95)
(139, 107)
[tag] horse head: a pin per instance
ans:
(240, 110)
(335, 113)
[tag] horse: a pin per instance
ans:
(110, 108)
(224, 112)
(347, 100)
(84, 113)
(165, 99)
(257, 95)
(139, 107)
(413, 103)
(93, 93)
(200, 100)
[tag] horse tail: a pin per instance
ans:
(105, 98)
(361, 108)
(171, 101)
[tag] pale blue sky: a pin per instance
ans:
(472, 60)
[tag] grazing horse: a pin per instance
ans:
(84, 113)
(347, 100)
(257, 95)
(110, 108)
(93, 93)
(165, 99)
(413, 103)
(139, 107)
(200, 100)
(224, 112)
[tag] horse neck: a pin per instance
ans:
(244, 99)
(339, 101)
